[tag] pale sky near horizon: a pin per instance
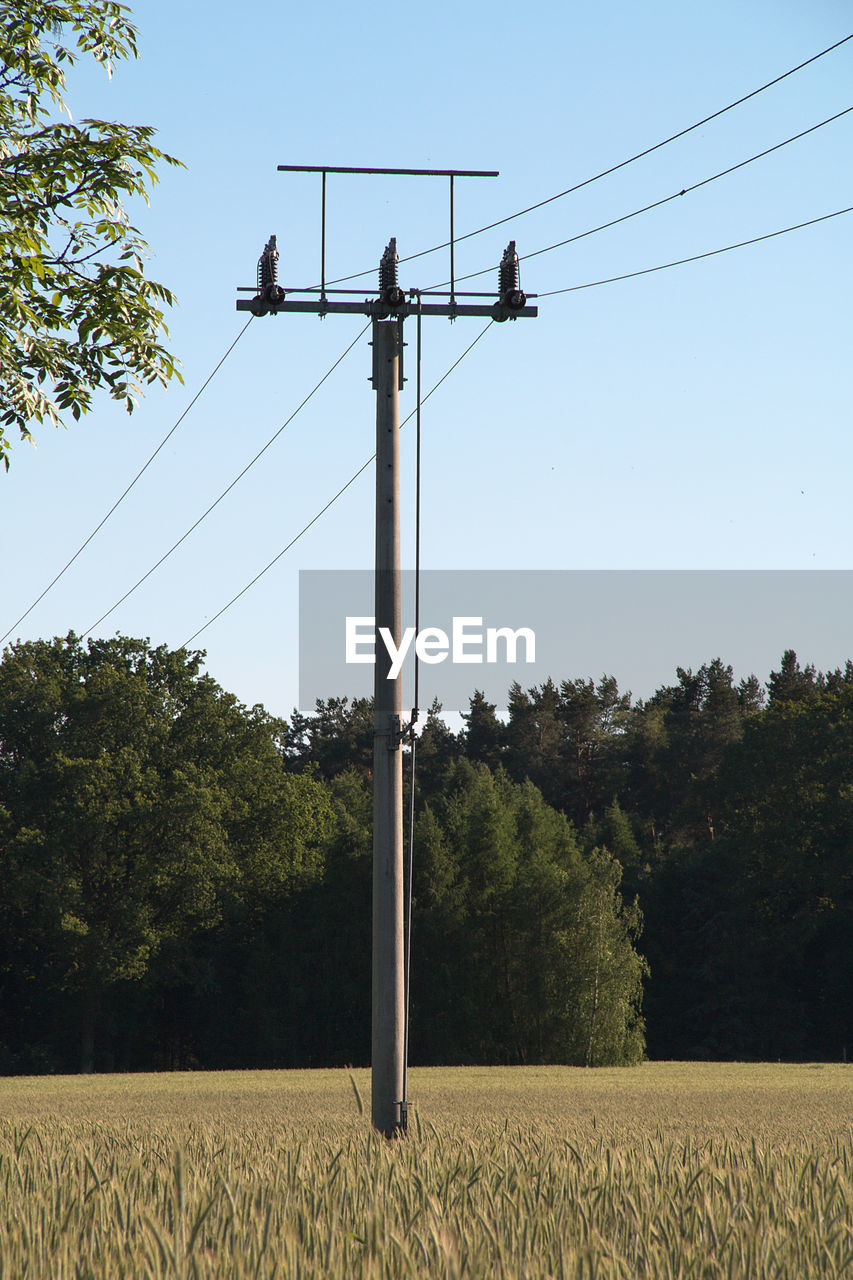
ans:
(695, 418)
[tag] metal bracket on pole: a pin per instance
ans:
(325, 169)
(259, 306)
(396, 733)
(376, 376)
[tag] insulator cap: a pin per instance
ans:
(508, 272)
(514, 299)
(267, 265)
(389, 285)
(393, 296)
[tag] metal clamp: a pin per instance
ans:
(396, 733)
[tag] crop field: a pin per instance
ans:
(664, 1170)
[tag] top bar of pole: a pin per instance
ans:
(423, 173)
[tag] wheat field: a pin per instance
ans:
(664, 1170)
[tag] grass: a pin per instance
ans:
(665, 1170)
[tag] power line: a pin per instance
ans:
(696, 185)
(468, 235)
(616, 167)
(234, 482)
(333, 500)
(551, 293)
(138, 476)
(664, 266)
(656, 204)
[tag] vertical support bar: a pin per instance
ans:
(407, 969)
(323, 243)
(452, 266)
(418, 354)
(388, 941)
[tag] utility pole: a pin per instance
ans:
(387, 1101)
(389, 1108)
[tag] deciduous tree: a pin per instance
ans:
(136, 797)
(77, 311)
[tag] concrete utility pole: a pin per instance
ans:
(388, 1103)
(388, 311)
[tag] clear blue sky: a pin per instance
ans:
(697, 418)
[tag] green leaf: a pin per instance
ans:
(61, 315)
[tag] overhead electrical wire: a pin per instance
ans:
(656, 204)
(551, 293)
(138, 476)
(535, 253)
(696, 257)
(639, 155)
(334, 499)
(234, 482)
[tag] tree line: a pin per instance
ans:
(187, 881)
(726, 809)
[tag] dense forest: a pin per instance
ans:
(186, 882)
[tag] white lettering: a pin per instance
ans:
(396, 655)
(432, 645)
(461, 638)
(356, 637)
(493, 634)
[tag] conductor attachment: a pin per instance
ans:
(510, 296)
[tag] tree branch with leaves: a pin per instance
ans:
(77, 312)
